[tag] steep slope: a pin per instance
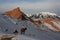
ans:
(32, 33)
(15, 13)
(49, 20)
(43, 20)
(53, 26)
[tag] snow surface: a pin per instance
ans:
(42, 15)
(32, 33)
(22, 37)
(47, 13)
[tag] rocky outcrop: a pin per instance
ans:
(50, 22)
(38, 22)
(15, 13)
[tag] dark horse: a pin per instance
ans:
(15, 32)
(23, 30)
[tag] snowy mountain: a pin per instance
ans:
(39, 26)
(43, 20)
(44, 15)
(32, 33)
(49, 20)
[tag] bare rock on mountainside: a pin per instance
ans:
(18, 14)
(50, 22)
(15, 13)
(47, 19)
(38, 22)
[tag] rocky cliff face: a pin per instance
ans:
(15, 13)
(51, 22)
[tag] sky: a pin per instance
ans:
(31, 6)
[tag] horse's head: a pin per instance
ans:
(25, 28)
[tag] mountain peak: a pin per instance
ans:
(15, 13)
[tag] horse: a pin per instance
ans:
(23, 30)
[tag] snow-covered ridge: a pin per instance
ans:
(47, 13)
(47, 17)
(43, 13)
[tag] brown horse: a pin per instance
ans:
(23, 30)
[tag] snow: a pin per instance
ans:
(32, 33)
(49, 26)
(28, 15)
(22, 37)
(43, 15)
(47, 13)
